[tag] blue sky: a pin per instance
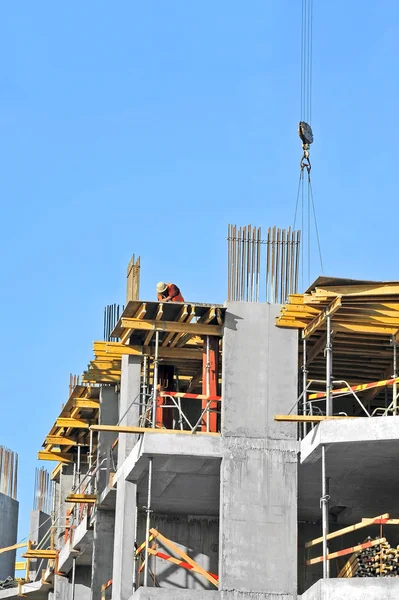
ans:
(146, 127)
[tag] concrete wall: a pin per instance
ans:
(109, 415)
(258, 511)
(8, 534)
(354, 589)
(160, 594)
(196, 536)
(122, 574)
(103, 546)
(39, 526)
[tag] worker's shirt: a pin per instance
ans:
(173, 291)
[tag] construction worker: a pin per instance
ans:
(168, 292)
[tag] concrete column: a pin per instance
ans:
(129, 399)
(40, 524)
(104, 528)
(63, 489)
(122, 577)
(258, 505)
(8, 534)
(122, 587)
(82, 583)
(108, 416)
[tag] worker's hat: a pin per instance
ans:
(161, 287)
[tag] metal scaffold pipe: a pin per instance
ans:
(135, 544)
(394, 376)
(155, 381)
(73, 577)
(208, 379)
(328, 352)
(148, 522)
(304, 385)
(324, 512)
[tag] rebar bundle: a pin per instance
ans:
(42, 491)
(249, 265)
(112, 313)
(8, 472)
(379, 561)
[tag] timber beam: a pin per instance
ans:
(81, 498)
(307, 418)
(320, 319)
(70, 422)
(133, 429)
(171, 326)
(62, 457)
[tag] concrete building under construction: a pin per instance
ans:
(239, 451)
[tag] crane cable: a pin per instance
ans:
(305, 133)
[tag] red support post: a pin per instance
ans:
(210, 369)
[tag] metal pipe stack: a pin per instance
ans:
(378, 561)
(112, 313)
(246, 262)
(42, 491)
(8, 472)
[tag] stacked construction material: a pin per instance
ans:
(378, 561)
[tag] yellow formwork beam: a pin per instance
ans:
(60, 440)
(40, 553)
(85, 403)
(81, 498)
(71, 422)
(133, 429)
(55, 456)
(171, 326)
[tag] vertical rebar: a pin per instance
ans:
(284, 251)
(328, 351)
(258, 263)
(277, 275)
(155, 381)
(268, 267)
(272, 283)
(228, 262)
(148, 522)
(324, 511)
(298, 252)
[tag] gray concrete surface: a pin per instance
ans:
(167, 445)
(129, 398)
(35, 591)
(354, 589)
(39, 526)
(109, 415)
(102, 563)
(8, 534)
(122, 574)
(363, 481)
(349, 431)
(258, 507)
(160, 594)
(196, 536)
(126, 496)
(79, 546)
